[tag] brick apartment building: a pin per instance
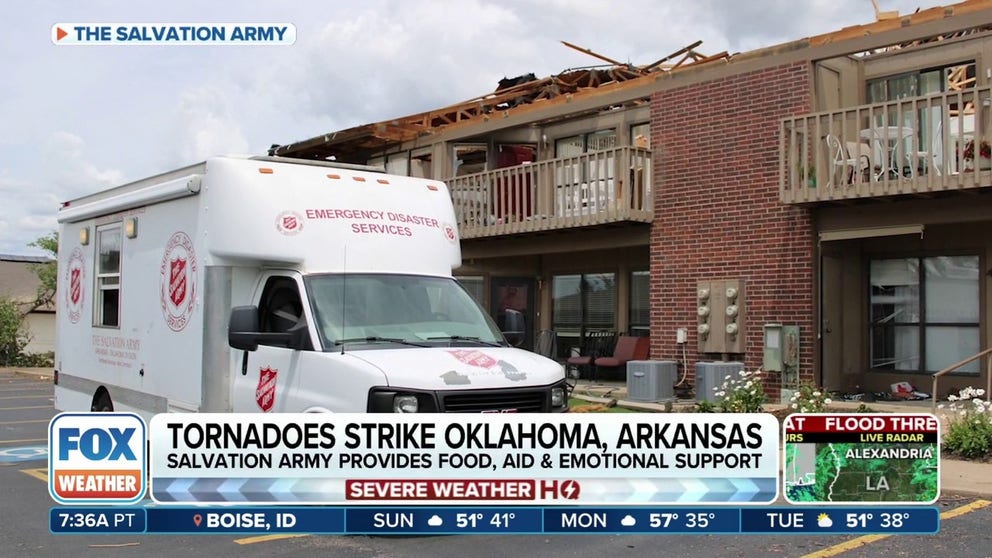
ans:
(835, 184)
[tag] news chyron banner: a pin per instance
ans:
(484, 459)
(862, 458)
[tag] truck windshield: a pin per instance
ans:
(373, 311)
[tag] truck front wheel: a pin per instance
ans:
(102, 403)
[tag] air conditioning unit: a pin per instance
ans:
(710, 375)
(651, 380)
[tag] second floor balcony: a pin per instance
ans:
(597, 188)
(919, 146)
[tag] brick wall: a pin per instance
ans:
(718, 215)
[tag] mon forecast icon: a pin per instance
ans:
(96, 458)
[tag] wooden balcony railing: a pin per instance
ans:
(590, 189)
(916, 146)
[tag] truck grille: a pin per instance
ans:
(497, 400)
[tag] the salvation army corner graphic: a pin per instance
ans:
(97, 458)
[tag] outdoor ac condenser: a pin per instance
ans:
(710, 375)
(651, 380)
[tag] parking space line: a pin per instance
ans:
(12, 390)
(33, 421)
(868, 539)
(40, 474)
(30, 440)
(267, 538)
(48, 395)
(23, 408)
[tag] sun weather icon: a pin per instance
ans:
(823, 520)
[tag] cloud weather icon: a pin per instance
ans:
(435, 521)
(628, 521)
(823, 520)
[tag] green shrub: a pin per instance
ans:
(809, 399)
(969, 432)
(13, 338)
(743, 393)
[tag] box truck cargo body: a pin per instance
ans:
(274, 285)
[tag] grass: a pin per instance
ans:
(580, 406)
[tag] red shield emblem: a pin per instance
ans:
(289, 222)
(474, 358)
(265, 393)
(75, 288)
(177, 281)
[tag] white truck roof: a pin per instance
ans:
(317, 217)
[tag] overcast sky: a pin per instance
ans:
(80, 118)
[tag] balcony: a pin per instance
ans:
(603, 187)
(921, 146)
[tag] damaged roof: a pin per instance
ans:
(528, 91)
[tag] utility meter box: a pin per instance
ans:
(781, 348)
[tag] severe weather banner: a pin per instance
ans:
(495, 459)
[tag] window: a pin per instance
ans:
(582, 303)
(470, 158)
(924, 313)
(640, 136)
(640, 314)
(475, 286)
(925, 121)
(108, 276)
(585, 183)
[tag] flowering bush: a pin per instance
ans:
(984, 150)
(969, 432)
(809, 399)
(743, 393)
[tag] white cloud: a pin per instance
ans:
(208, 124)
(77, 119)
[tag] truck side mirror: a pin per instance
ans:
(514, 327)
(243, 332)
(242, 329)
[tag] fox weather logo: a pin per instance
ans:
(96, 458)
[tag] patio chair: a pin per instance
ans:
(628, 348)
(861, 153)
(596, 344)
(840, 158)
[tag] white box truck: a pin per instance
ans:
(262, 284)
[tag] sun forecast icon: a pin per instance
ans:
(823, 520)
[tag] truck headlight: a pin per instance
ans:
(386, 400)
(405, 404)
(557, 397)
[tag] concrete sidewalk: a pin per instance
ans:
(966, 478)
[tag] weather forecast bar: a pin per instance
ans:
(494, 520)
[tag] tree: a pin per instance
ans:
(13, 338)
(47, 272)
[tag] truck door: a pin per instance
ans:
(267, 384)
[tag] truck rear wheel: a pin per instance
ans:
(102, 403)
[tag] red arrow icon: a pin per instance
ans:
(59, 34)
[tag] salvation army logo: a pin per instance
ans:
(289, 223)
(449, 233)
(474, 358)
(75, 274)
(265, 393)
(177, 281)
